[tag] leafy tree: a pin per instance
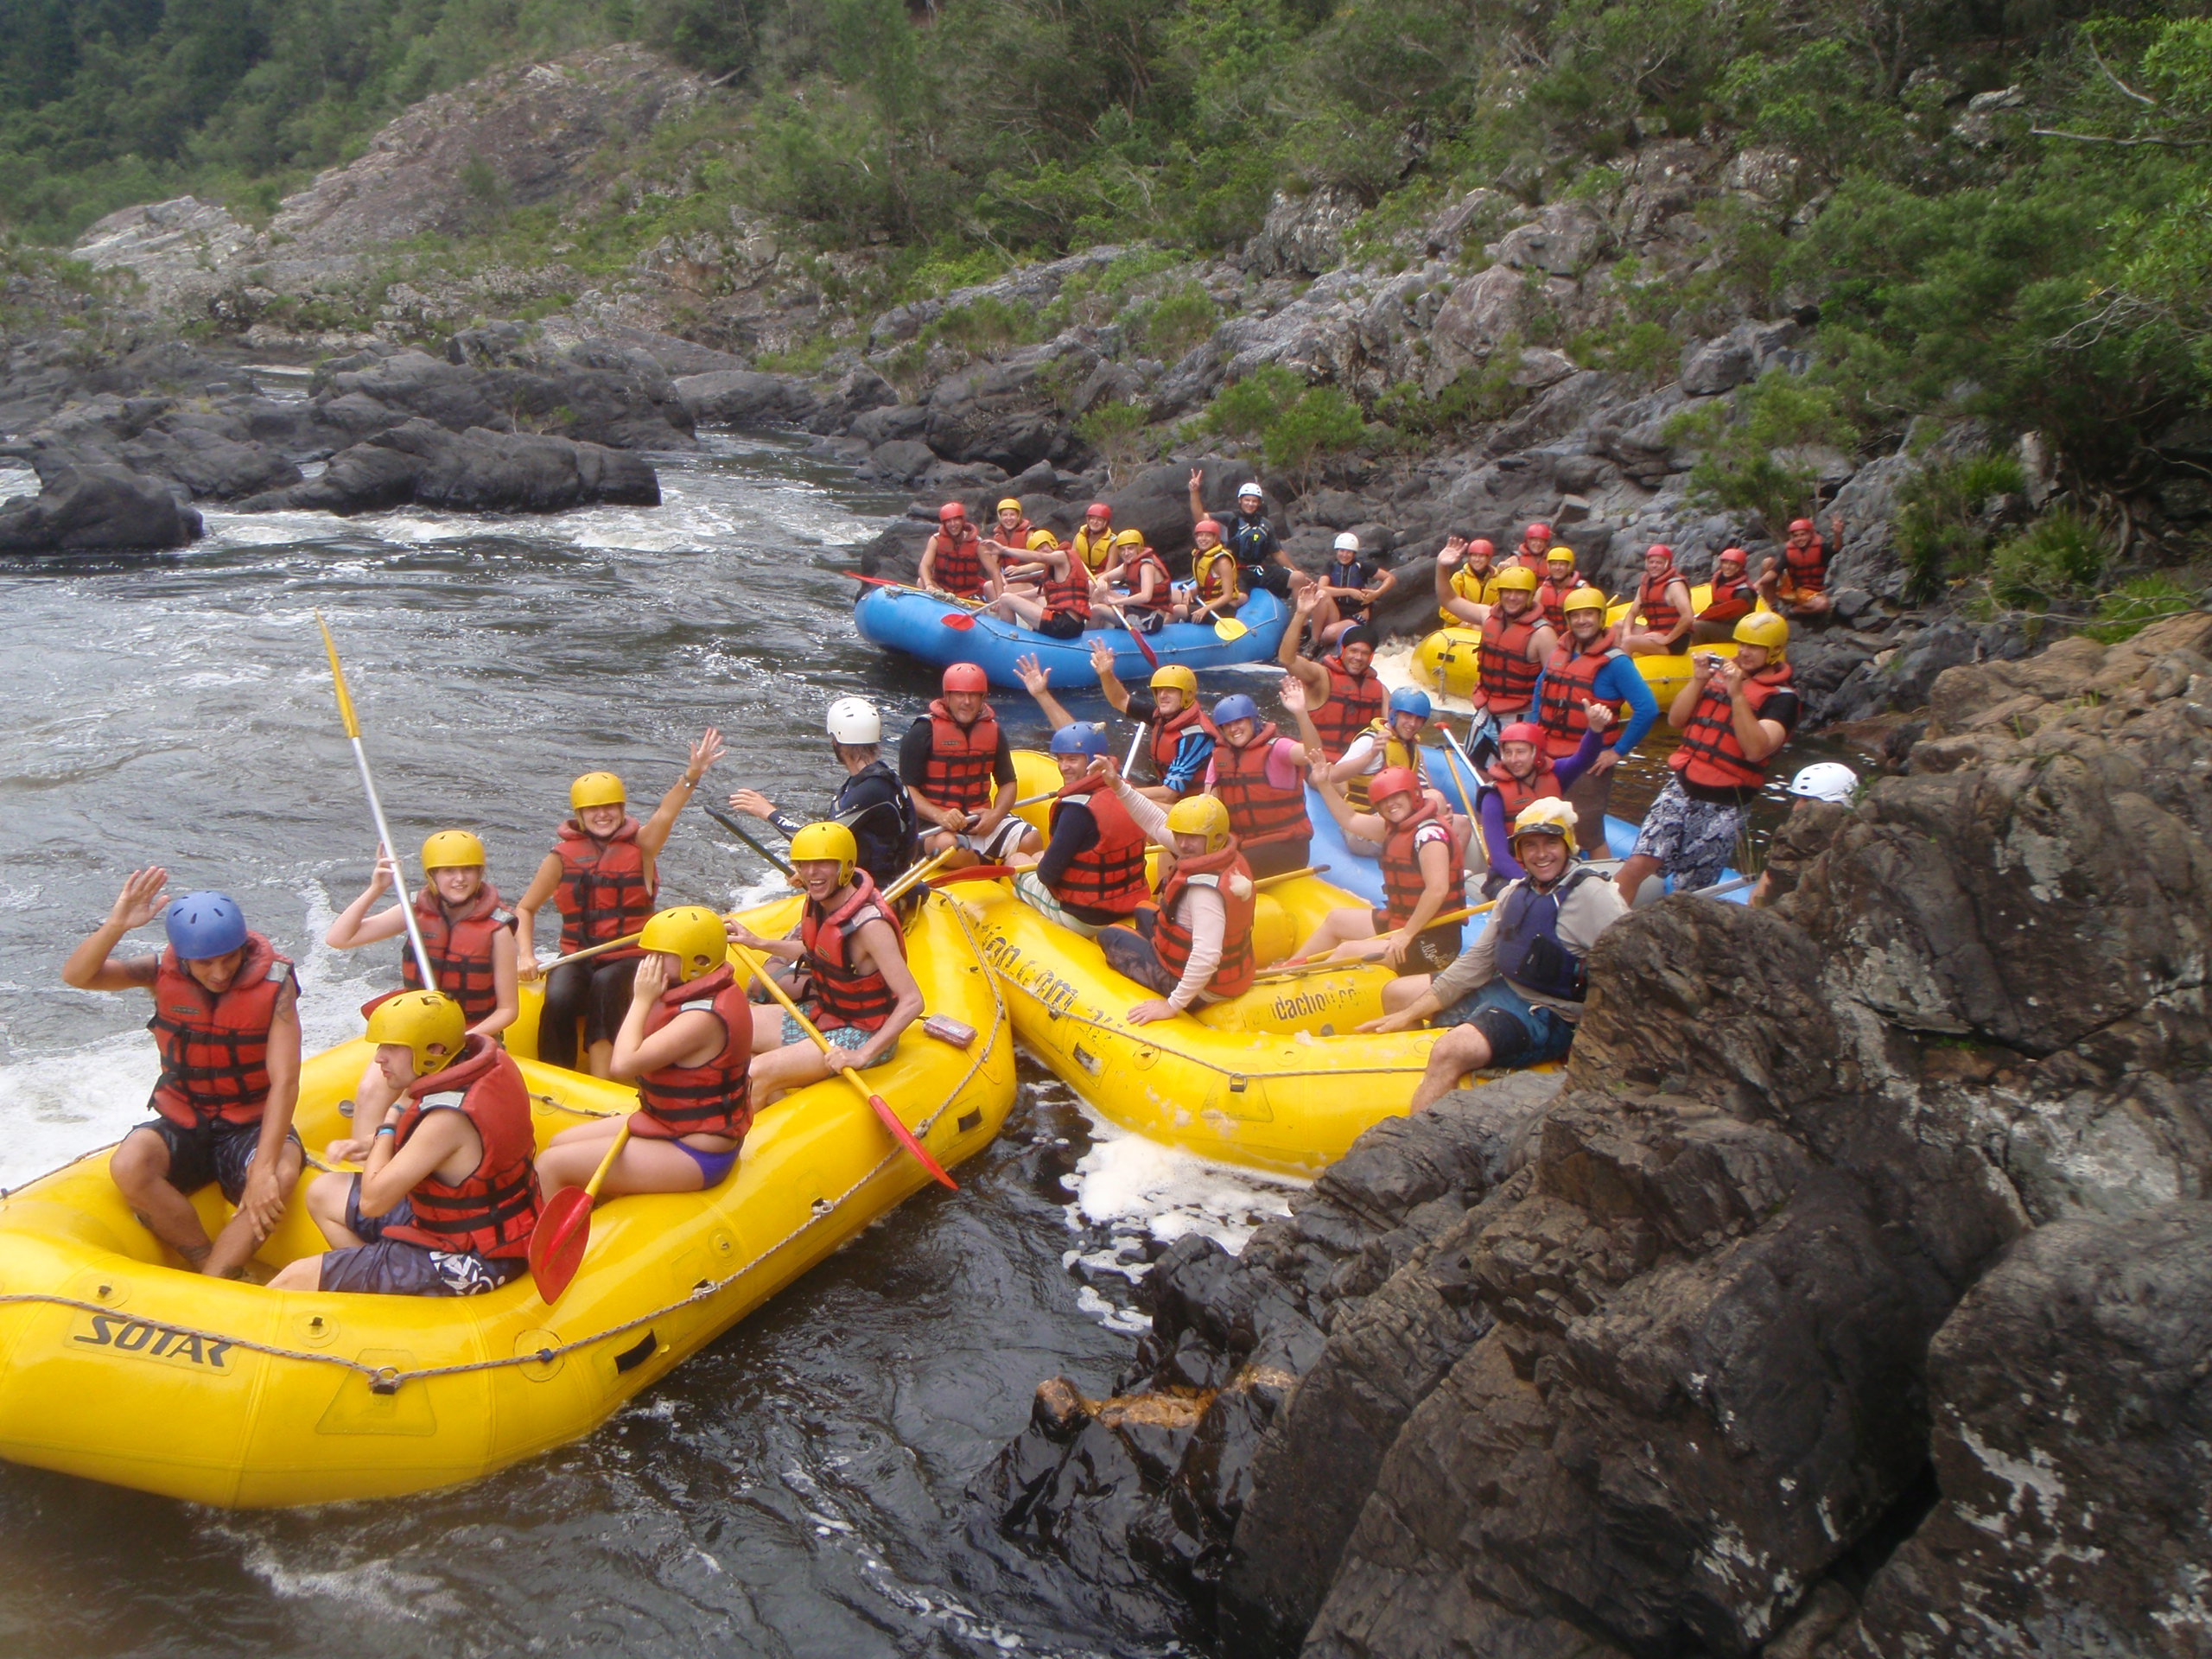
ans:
(1751, 445)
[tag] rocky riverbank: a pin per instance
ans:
(1847, 1296)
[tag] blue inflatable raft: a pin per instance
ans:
(906, 620)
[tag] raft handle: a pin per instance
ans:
(384, 1380)
(630, 1358)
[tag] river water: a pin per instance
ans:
(799, 1488)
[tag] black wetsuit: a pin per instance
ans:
(875, 806)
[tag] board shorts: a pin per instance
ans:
(1433, 950)
(849, 1039)
(993, 846)
(1060, 624)
(1692, 840)
(1520, 1033)
(393, 1267)
(217, 1152)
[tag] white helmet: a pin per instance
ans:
(1347, 543)
(854, 720)
(1826, 780)
(1248, 490)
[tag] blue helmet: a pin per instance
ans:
(1083, 737)
(1411, 700)
(204, 925)
(1235, 707)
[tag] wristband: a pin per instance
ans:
(384, 1129)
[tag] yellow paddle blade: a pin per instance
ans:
(338, 679)
(1228, 630)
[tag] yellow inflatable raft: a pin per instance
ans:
(116, 1365)
(1446, 660)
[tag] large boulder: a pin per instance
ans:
(95, 507)
(472, 471)
(594, 393)
(745, 398)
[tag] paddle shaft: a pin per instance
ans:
(589, 951)
(1267, 882)
(743, 834)
(1143, 645)
(1136, 743)
(599, 1175)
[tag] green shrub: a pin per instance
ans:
(1646, 352)
(1739, 467)
(985, 324)
(1295, 426)
(1243, 410)
(2134, 605)
(2056, 561)
(1936, 535)
(1179, 320)
(1115, 431)
(1474, 398)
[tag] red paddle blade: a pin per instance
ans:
(556, 1249)
(958, 621)
(905, 1137)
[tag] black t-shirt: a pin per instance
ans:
(876, 808)
(1782, 707)
(914, 757)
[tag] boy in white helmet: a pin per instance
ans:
(1350, 588)
(1824, 791)
(871, 802)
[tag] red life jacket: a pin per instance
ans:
(1570, 680)
(1014, 541)
(1227, 874)
(603, 893)
(1514, 793)
(957, 564)
(1259, 813)
(1660, 613)
(1402, 881)
(1551, 600)
(215, 1049)
(1538, 563)
(1110, 875)
(716, 1099)
(845, 995)
(494, 1210)
(460, 948)
(1070, 595)
(1168, 738)
(1505, 676)
(1163, 585)
(958, 772)
(1709, 754)
(1355, 703)
(1215, 573)
(1731, 598)
(1808, 566)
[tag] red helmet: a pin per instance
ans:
(1537, 533)
(1099, 510)
(1391, 780)
(1211, 526)
(1662, 549)
(1797, 524)
(1480, 546)
(965, 677)
(951, 511)
(1521, 731)
(1732, 556)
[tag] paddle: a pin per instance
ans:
(556, 1249)
(1151, 657)
(589, 950)
(376, 808)
(1267, 882)
(972, 872)
(905, 882)
(1136, 741)
(1227, 629)
(743, 834)
(882, 1108)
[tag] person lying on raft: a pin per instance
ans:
(226, 1023)
(1516, 994)
(467, 934)
(1138, 584)
(872, 802)
(955, 561)
(1060, 608)
(851, 953)
(1523, 773)
(1091, 873)
(688, 1041)
(959, 770)
(1215, 589)
(446, 1201)
(601, 876)
(1260, 776)
(1194, 945)
(1423, 860)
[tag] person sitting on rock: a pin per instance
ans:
(1260, 776)
(1732, 599)
(1588, 666)
(1525, 772)
(1263, 564)
(1560, 579)
(959, 770)
(871, 801)
(1349, 586)
(1516, 642)
(227, 1025)
(1175, 733)
(1193, 946)
(1061, 609)
(1515, 993)
(851, 953)
(955, 561)
(1342, 691)
(1467, 579)
(1734, 717)
(1424, 860)
(1799, 586)
(1138, 583)
(1091, 873)
(1216, 589)
(1821, 800)
(1536, 543)
(447, 1198)
(1092, 544)
(467, 934)
(1659, 622)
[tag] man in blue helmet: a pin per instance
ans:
(226, 1022)
(1092, 872)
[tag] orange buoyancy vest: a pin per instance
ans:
(1709, 754)
(1259, 813)
(845, 995)
(604, 893)
(1551, 600)
(1355, 703)
(214, 1048)
(1732, 597)
(1514, 793)
(1163, 585)
(1659, 612)
(1403, 882)
(1571, 680)
(1068, 596)
(1227, 874)
(957, 564)
(958, 772)
(1808, 566)
(494, 1210)
(1215, 573)
(1167, 740)
(1505, 676)
(713, 1098)
(1110, 875)
(460, 948)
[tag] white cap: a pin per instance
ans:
(1250, 486)
(854, 720)
(1826, 780)
(1347, 543)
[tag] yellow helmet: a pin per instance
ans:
(692, 934)
(1764, 628)
(820, 840)
(1006, 502)
(1042, 539)
(1582, 598)
(451, 849)
(1200, 815)
(429, 1023)
(1128, 538)
(1558, 552)
(596, 789)
(1516, 579)
(1173, 676)
(1548, 817)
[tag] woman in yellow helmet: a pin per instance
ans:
(467, 934)
(602, 875)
